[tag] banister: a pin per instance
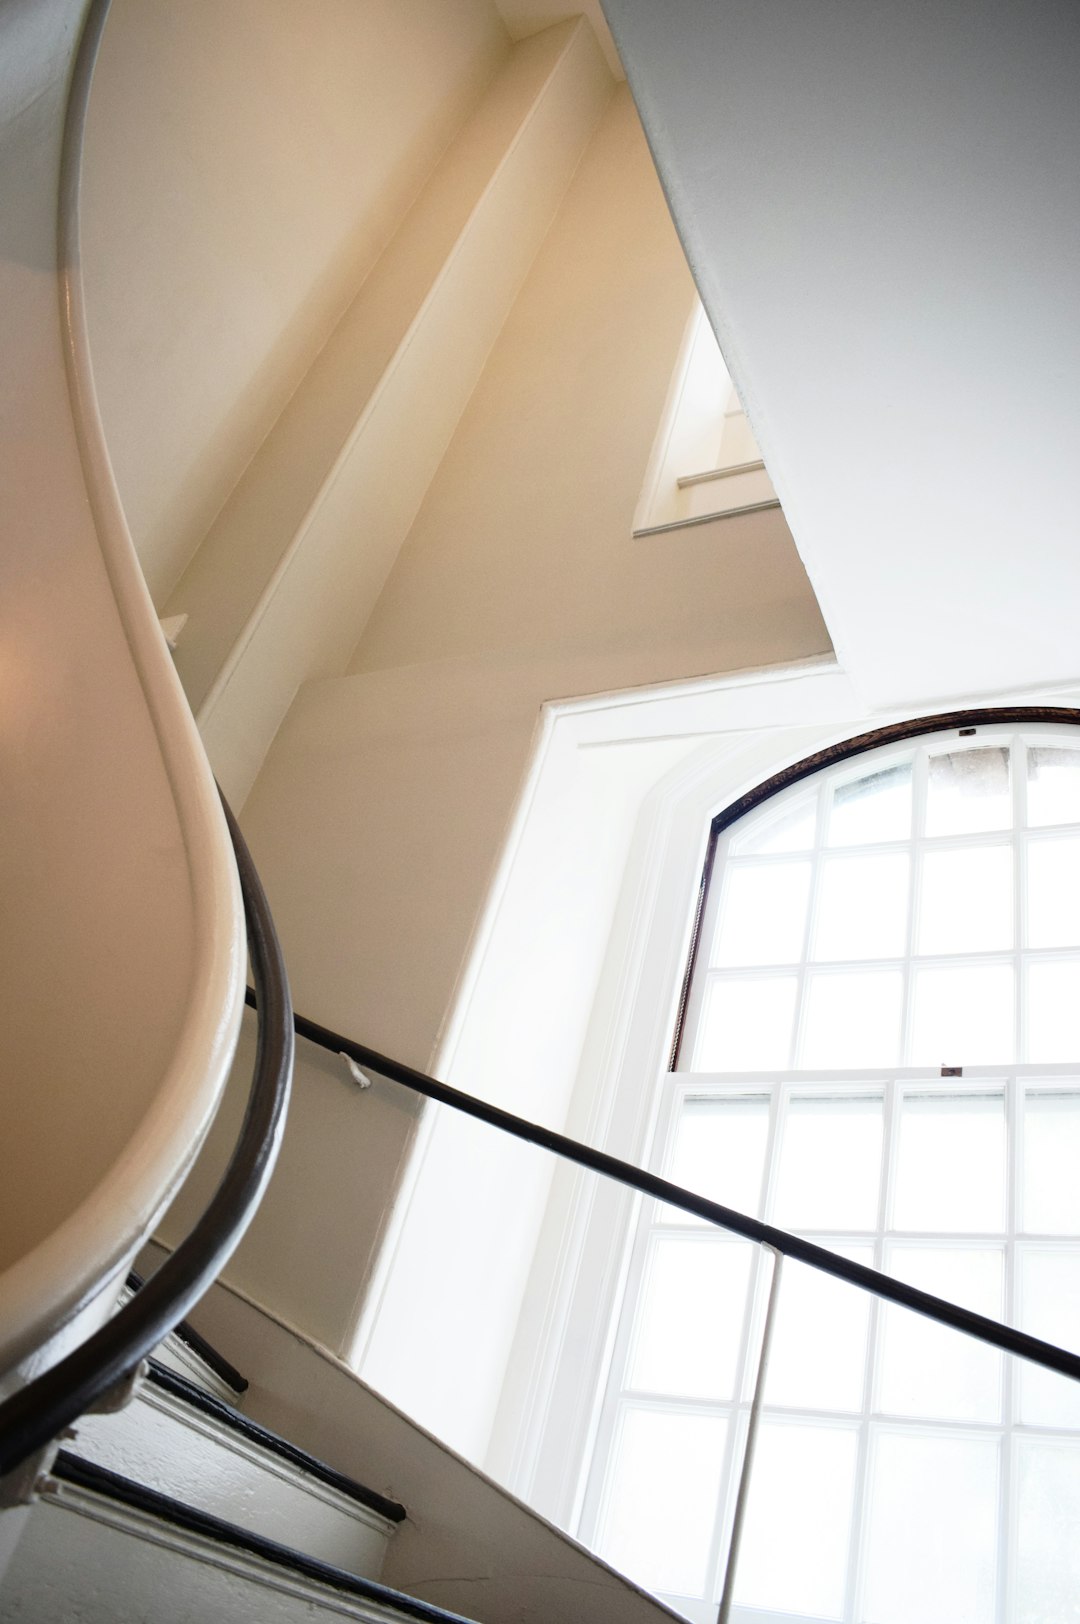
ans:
(984, 1329)
(39, 1412)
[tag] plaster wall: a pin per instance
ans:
(246, 163)
(881, 204)
(381, 816)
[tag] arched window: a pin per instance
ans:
(879, 1047)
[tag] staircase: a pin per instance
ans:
(180, 1507)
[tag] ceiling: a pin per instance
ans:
(881, 204)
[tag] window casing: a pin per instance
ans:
(878, 1049)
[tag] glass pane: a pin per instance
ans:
(962, 1015)
(746, 1024)
(830, 1159)
(794, 1551)
(1053, 1010)
(788, 827)
(1051, 1189)
(1054, 892)
(876, 806)
(862, 907)
(763, 914)
(950, 1173)
(965, 900)
(719, 1152)
(818, 1354)
(932, 1547)
(658, 1537)
(1050, 1308)
(852, 1019)
(1053, 789)
(968, 791)
(928, 1369)
(690, 1317)
(1048, 1556)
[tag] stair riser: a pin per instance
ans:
(87, 1558)
(161, 1442)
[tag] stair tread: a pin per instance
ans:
(199, 1346)
(86, 1475)
(224, 1414)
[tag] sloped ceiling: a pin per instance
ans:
(881, 203)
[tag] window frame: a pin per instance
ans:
(895, 1080)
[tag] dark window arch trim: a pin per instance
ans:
(831, 756)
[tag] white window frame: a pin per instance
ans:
(893, 1080)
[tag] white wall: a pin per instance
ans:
(247, 161)
(380, 814)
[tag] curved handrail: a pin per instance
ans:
(981, 1327)
(38, 1412)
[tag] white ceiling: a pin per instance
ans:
(881, 203)
(525, 17)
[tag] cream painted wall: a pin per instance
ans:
(524, 539)
(382, 810)
(246, 163)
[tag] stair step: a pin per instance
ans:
(190, 1355)
(181, 1441)
(103, 1549)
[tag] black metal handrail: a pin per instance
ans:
(940, 1309)
(40, 1411)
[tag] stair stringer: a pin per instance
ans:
(468, 1545)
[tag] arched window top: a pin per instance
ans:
(880, 1049)
(909, 898)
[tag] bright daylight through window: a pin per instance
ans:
(880, 1051)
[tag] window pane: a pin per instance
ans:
(862, 907)
(657, 1536)
(950, 1173)
(1053, 788)
(830, 1159)
(818, 1354)
(1051, 1191)
(719, 1152)
(1054, 892)
(962, 1015)
(874, 807)
(852, 1019)
(763, 914)
(690, 1316)
(1050, 1308)
(794, 1551)
(932, 1548)
(1048, 1577)
(1053, 1010)
(965, 900)
(928, 1369)
(746, 1024)
(968, 791)
(789, 827)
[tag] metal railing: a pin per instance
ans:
(35, 1415)
(779, 1242)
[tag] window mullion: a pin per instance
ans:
(859, 1528)
(919, 772)
(808, 926)
(1007, 1532)
(1019, 837)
